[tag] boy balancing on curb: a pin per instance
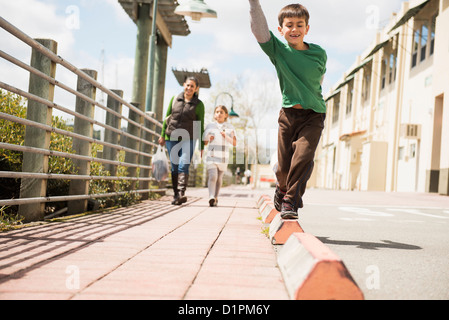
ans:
(300, 67)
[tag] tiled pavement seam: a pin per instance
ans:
(149, 251)
(37, 260)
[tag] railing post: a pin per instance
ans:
(146, 160)
(133, 144)
(111, 136)
(81, 147)
(34, 137)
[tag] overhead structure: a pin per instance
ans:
(168, 23)
(154, 36)
(196, 9)
(157, 21)
(202, 76)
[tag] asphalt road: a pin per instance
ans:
(395, 245)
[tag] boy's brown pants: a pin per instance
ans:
(298, 137)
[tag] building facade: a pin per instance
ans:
(387, 126)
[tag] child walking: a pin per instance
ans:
(300, 67)
(219, 135)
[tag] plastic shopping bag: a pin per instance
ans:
(159, 165)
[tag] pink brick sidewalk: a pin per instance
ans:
(152, 250)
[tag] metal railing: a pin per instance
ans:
(140, 135)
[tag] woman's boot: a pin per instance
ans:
(174, 182)
(183, 179)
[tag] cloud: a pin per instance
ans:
(344, 28)
(345, 25)
(39, 20)
(225, 46)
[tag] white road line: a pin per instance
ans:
(414, 211)
(365, 211)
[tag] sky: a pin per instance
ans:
(99, 35)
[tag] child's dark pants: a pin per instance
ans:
(298, 137)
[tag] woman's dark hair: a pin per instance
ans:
(193, 79)
(197, 83)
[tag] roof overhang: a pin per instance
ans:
(202, 76)
(410, 13)
(349, 136)
(168, 23)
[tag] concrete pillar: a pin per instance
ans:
(160, 72)
(139, 83)
(157, 106)
(141, 55)
(82, 147)
(35, 137)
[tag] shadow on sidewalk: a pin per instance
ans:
(33, 246)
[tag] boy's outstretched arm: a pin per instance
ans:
(259, 25)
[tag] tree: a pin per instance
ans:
(257, 100)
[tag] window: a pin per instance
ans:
(432, 35)
(424, 37)
(336, 109)
(384, 73)
(412, 151)
(393, 63)
(401, 153)
(415, 48)
(349, 101)
(366, 86)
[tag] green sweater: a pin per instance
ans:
(299, 73)
(199, 116)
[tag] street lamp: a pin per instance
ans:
(196, 9)
(232, 113)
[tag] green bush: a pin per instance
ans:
(14, 133)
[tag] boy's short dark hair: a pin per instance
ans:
(294, 10)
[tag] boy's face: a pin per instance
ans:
(294, 30)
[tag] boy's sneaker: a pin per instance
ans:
(211, 202)
(288, 211)
(278, 196)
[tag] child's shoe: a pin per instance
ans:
(288, 210)
(278, 196)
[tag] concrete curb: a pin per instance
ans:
(311, 271)
(267, 211)
(281, 229)
(264, 198)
